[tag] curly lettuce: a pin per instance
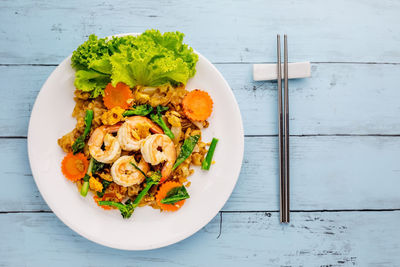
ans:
(149, 59)
(91, 81)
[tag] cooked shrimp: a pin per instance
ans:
(128, 135)
(112, 149)
(125, 174)
(159, 148)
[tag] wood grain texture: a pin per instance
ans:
(353, 91)
(338, 99)
(326, 173)
(224, 31)
(250, 239)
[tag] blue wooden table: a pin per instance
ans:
(345, 128)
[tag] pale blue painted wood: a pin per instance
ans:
(246, 239)
(338, 99)
(224, 31)
(326, 173)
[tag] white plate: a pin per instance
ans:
(147, 228)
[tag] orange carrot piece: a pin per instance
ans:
(75, 166)
(117, 96)
(97, 199)
(197, 105)
(162, 193)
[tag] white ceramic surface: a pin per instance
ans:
(147, 228)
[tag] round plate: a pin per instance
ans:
(147, 228)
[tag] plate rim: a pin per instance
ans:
(178, 237)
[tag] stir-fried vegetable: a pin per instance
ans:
(79, 143)
(74, 166)
(106, 184)
(140, 110)
(166, 189)
(118, 96)
(175, 194)
(97, 166)
(197, 105)
(125, 209)
(205, 165)
(128, 208)
(157, 118)
(186, 149)
(85, 186)
(154, 179)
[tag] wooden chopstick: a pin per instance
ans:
(286, 108)
(280, 136)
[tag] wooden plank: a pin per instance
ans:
(224, 31)
(251, 239)
(326, 173)
(338, 99)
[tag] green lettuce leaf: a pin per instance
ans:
(150, 59)
(91, 81)
(102, 65)
(90, 50)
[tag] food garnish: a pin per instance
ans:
(197, 105)
(157, 118)
(205, 165)
(117, 96)
(149, 59)
(79, 143)
(162, 193)
(186, 149)
(74, 166)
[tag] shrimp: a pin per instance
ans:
(128, 138)
(159, 148)
(125, 174)
(112, 149)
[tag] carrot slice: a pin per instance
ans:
(75, 166)
(117, 96)
(197, 105)
(162, 193)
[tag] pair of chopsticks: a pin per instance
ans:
(283, 136)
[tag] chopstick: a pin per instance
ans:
(280, 134)
(283, 132)
(286, 107)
